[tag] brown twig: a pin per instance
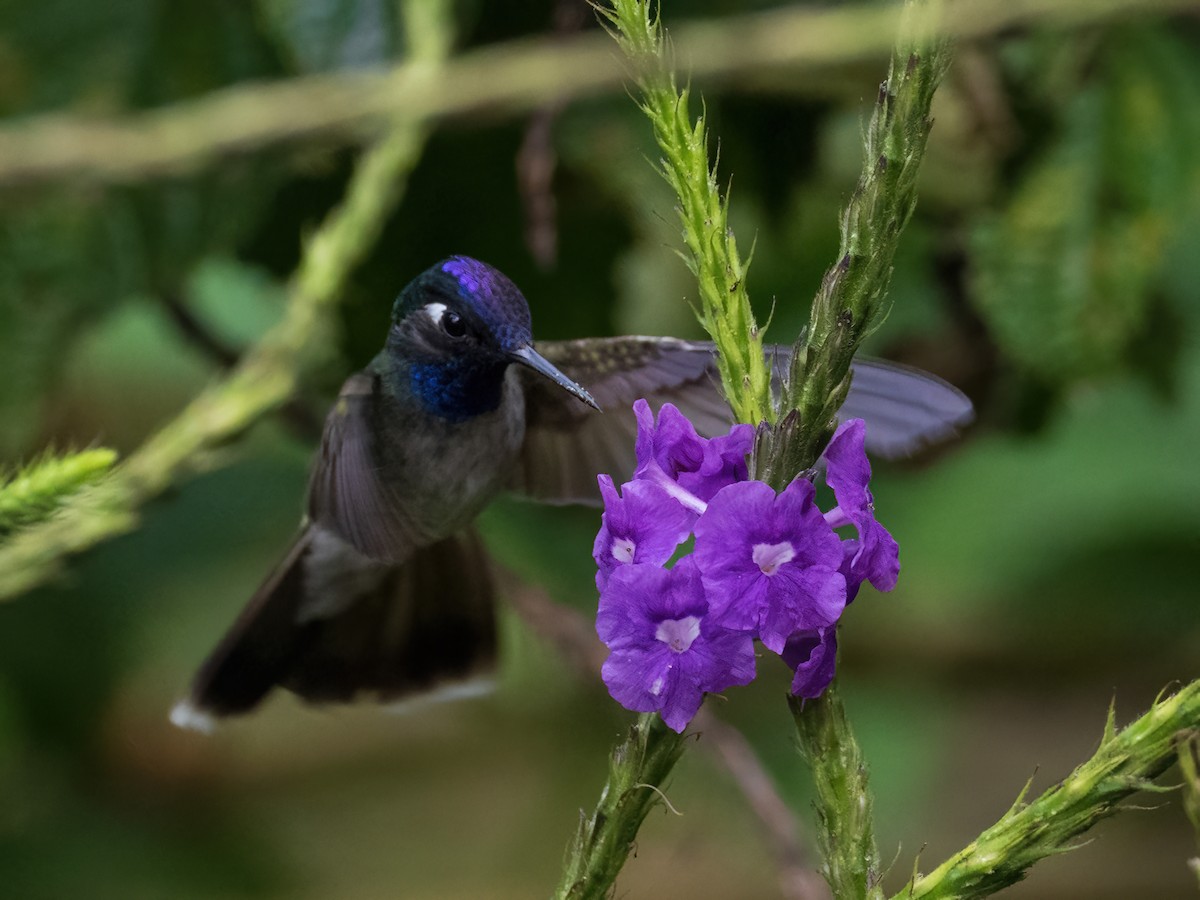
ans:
(537, 158)
(536, 161)
(196, 332)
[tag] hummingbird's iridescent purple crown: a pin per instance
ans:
(494, 297)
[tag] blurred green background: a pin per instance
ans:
(1052, 271)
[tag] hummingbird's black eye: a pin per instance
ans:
(453, 324)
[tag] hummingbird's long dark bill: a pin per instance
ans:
(527, 356)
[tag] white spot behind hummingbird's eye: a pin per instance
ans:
(435, 311)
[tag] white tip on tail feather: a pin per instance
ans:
(186, 716)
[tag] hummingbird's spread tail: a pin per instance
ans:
(332, 625)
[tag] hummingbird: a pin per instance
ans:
(386, 591)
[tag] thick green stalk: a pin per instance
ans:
(852, 299)
(264, 379)
(637, 772)
(642, 763)
(712, 252)
(1124, 764)
(850, 302)
(847, 832)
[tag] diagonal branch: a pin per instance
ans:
(513, 77)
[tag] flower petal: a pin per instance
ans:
(641, 525)
(639, 679)
(847, 469)
(875, 555)
(799, 599)
(621, 617)
(680, 704)
(671, 449)
(812, 655)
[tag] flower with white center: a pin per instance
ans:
(770, 561)
(769, 557)
(640, 525)
(667, 648)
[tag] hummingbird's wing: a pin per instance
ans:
(345, 491)
(906, 409)
(332, 625)
(567, 444)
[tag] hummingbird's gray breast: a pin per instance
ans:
(392, 476)
(439, 474)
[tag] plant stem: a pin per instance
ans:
(852, 299)
(850, 302)
(847, 832)
(643, 761)
(712, 249)
(637, 771)
(36, 492)
(1124, 764)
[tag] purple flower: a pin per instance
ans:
(672, 451)
(643, 526)
(667, 647)
(874, 555)
(813, 656)
(770, 563)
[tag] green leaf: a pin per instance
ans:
(57, 274)
(1066, 271)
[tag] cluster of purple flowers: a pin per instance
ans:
(764, 566)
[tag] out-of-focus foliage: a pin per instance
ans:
(1069, 268)
(1050, 270)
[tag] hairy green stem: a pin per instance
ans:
(852, 299)
(850, 302)
(637, 771)
(265, 378)
(36, 491)
(641, 764)
(847, 833)
(1125, 763)
(1189, 765)
(712, 249)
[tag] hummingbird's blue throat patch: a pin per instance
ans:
(457, 389)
